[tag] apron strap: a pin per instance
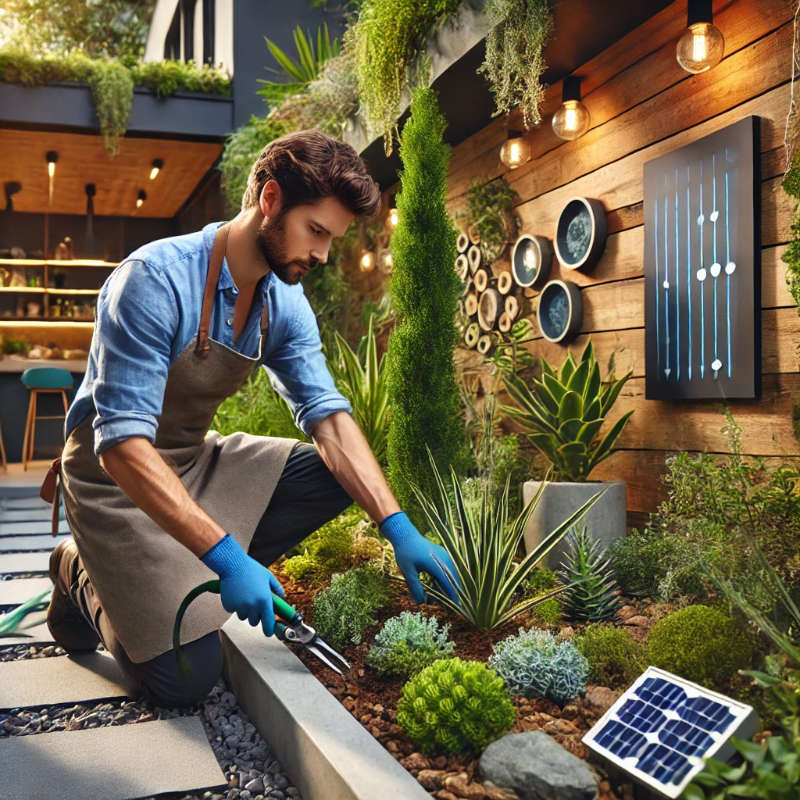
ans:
(202, 346)
(50, 491)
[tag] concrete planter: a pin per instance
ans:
(605, 521)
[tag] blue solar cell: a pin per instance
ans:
(685, 738)
(663, 764)
(661, 693)
(642, 716)
(706, 714)
(620, 740)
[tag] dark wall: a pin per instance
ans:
(275, 19)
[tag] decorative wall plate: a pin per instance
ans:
(580, 233)
(560, 311)
(531, 259)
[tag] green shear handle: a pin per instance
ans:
(282, 609)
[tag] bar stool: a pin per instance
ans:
(42, 380)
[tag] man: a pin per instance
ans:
(155, 502)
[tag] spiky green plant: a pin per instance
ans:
(563, 411)
(362, 379)
(483, 545)
(591, 594)
(425, 288)
(454, 705)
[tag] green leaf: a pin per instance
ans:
(567, 368)
(569, 429)
(571, 406)
(577, 383)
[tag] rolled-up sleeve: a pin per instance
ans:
(298, 371)
(137, 318)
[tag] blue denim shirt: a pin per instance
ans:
(148, 311)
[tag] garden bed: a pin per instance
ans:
(372, 699)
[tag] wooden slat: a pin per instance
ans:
(82, 159)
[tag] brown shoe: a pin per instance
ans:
(67, 625)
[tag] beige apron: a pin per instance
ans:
(140, 572)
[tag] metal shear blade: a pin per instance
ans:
(303, 634)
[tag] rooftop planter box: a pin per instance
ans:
(70, 105)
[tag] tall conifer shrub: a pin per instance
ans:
(422, 386)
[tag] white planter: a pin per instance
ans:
(605, 520)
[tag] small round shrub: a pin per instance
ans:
(615, 657)
(454, 705)
(533, 664)
(408, 643)
(540, 581)
(700, 643)
(343, 612)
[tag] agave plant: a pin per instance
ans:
(562, 413)
(362, 379)
(483, 544)
(591, 593)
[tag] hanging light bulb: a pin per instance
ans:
(572, 118)
(386, 261)
(51, 157)
(142, 196)
(515, 151)
(394, 217)
(367, 262)
(158, 165)
(702, 45)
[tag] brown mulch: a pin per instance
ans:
(372, 699)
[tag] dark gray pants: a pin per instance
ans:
(306, 497)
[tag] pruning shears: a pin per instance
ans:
(289, 628)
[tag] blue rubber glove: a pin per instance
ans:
(245, 585)
(414, 554)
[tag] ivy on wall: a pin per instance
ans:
(791, 256)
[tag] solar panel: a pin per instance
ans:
(662, 727)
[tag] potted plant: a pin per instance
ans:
(562, 413)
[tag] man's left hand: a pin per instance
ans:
(414, 554)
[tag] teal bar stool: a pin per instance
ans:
(42, 380)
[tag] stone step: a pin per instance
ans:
(23, 562)
(60, 679)
(113, 763)
(30, 528)
(29, 499)
(16, 592)
(43, 514)
(41, 542)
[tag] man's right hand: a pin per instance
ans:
(245, 585)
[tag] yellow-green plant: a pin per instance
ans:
(563, 411)
(483, 544)
(362, 379)
(514, 61)
(112, 91)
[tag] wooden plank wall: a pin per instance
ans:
(642, 104)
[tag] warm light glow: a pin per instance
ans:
(387, 262)
(571, 120)
(139, 202)
(394, 217)
(51, 168)
(700, 48)
(367, 261)
(157, 165)
(515, 152)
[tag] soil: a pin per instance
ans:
(372, 699)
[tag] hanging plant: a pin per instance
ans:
(387, 39)
(791, 256)
(112, 91)
(514, 60)
(490, 216)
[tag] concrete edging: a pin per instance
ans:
(325, 751)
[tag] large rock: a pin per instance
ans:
(537, 768)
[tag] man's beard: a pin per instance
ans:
(271, 239)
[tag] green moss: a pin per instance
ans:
(426, 407)
(454, 705)
(791, 255)
(615, 657)
(700, 643)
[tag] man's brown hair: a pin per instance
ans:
(309, 165)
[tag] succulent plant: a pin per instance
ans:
(454, 705)
(591, 592)
(532, 663)
(408, 643)
(563, 411)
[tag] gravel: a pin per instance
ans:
(250, 768)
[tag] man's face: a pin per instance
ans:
(295, 241)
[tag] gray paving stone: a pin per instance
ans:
(40, 542)
(23, 562)
(18, 591)
(113, 763)
(27, 515)
(59, 679)
(30, 528)
(32, 630)
(33, 501)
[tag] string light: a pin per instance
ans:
(572, 118)
(158, 165)
(367, 262)
(702, 45)
(515, 151)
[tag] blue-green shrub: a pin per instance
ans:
(533, 664)
(408, 643)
